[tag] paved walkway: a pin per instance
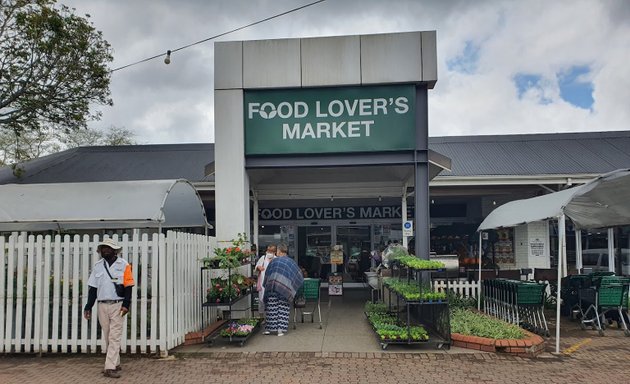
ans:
(598, 360)
(333, 355)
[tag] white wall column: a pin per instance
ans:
(405, 239)
(611, 249)
(578, 250)
(564, 251)
(254, 239)
(231, 179)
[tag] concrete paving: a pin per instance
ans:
(344, 329)
(341, 352)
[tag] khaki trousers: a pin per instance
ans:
(111, 327)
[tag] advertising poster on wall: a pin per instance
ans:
(536, 247)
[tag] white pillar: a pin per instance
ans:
(578, 250)
(565, 271)
(611, 249)
(254, 239)
(479, 279)
(561, 234)
(231, 179)
(405, 239)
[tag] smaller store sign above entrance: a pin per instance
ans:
(333, 213)
(327, 120)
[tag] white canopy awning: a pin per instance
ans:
(101, 205)
(602, 202)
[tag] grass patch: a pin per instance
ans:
(467, 322)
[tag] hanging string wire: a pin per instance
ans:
(219, 35)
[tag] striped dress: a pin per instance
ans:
(278, 310)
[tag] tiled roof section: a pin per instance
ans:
(117, 163)
(535, 154)
(518, 155)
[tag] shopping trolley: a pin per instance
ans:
(517, 302)
(609, 295)
(310, 290)
(571, 290)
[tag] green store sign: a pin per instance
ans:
(326, 120)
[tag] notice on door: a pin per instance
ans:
(336, 256)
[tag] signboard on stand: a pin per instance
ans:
(335, 285)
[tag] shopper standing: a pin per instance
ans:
(110, 283)
(261, 266)
(283, 278)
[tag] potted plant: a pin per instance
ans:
(229, 257)
(222, 290)
(239, 328)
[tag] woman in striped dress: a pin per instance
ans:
(283, 278)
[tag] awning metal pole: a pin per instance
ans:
(561, 235)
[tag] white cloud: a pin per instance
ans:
(174, 103)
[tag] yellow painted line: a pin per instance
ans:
(576, 346)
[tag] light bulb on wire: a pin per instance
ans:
(167, 59)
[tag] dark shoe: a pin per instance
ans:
(111, 373)
(118, 368)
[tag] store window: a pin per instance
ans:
(276, 234)
(314, 244)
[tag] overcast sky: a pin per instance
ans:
(503, 66)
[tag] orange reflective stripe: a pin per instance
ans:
(128, 277)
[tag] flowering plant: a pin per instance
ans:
(239, 328)
(230, 257)
(223, 291)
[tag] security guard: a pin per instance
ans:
(108, 272)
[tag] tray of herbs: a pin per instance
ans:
(388, 328)
(412, 292)
(419, 264)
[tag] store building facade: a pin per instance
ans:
(327, 140)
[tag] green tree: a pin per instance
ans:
(36, 143)
(53, 66)
(86, 137)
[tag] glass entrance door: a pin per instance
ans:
(356, 244)
(314, 250)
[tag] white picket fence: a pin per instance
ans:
(462, 288)
(43, 289)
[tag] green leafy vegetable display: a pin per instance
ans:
(413, 292)
(419, 264)
(467, 322)
(388, 328)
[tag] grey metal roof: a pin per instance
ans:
(535, 154)
(500, 155)
(117, 163)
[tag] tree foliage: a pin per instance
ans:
(53, 66)
(36, 143)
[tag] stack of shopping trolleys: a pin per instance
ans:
(517, 302)
(603, 299)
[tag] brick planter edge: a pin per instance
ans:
(531, 346)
